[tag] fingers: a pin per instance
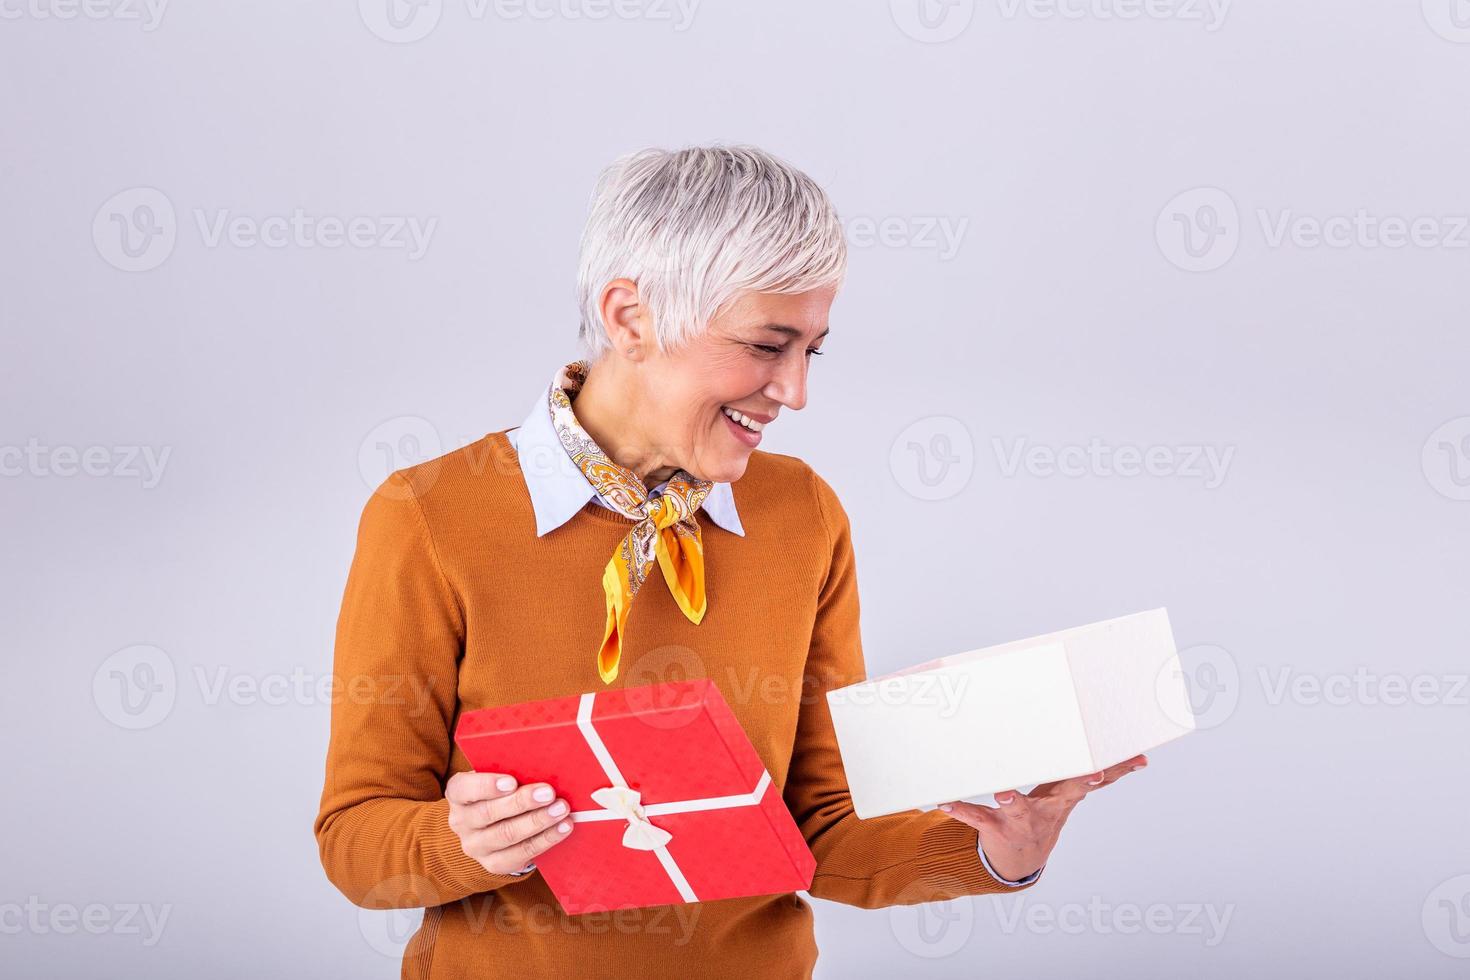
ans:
(1112, 774)
(509, 832)
(510, 845)
(1069, 791)
(979, 817)
(527, 850)
(1010, 805)
(1012, 802)
(470, 787)
(501, 824)
(477, 804)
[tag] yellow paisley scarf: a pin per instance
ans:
(666, 528)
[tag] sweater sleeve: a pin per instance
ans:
(898, 859)
(383, 827)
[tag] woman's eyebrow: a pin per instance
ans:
(792, 331)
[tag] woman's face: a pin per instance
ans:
(752, 359)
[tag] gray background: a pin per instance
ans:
(1074, 149)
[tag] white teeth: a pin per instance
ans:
(749, 423)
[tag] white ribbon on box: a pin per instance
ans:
(621, 802)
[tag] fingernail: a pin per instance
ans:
(505, 784)
(946, 807)
(1003, 802)
(564, 826)
(558, 808)
(543, 794)
(1134, 768)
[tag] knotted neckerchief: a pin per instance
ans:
(666, 527)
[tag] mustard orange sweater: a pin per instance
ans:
(453, 603)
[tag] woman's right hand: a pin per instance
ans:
(501, 826)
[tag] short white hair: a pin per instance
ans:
(698, 227)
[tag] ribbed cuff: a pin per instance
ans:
(951, 859)
(464, 874)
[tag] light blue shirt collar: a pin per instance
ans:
(559, 488)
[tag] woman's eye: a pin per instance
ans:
(778, 351)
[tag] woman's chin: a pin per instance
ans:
(729, 468)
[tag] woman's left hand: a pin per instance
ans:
(1019, 834)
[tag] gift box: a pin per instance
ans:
(1051, 707)
(671, 802)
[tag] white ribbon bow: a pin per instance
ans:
(621, 802)
(627, 804)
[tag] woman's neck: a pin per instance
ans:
(607, 407)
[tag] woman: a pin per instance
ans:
(508, 570)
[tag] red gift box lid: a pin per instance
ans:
(720, 828)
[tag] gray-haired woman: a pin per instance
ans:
(506, 571)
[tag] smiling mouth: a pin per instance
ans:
(745, 431)
(741, 419)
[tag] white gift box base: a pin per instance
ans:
(1052, 707)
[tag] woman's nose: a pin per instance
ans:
(789, 385)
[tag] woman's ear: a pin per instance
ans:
(624, 316)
